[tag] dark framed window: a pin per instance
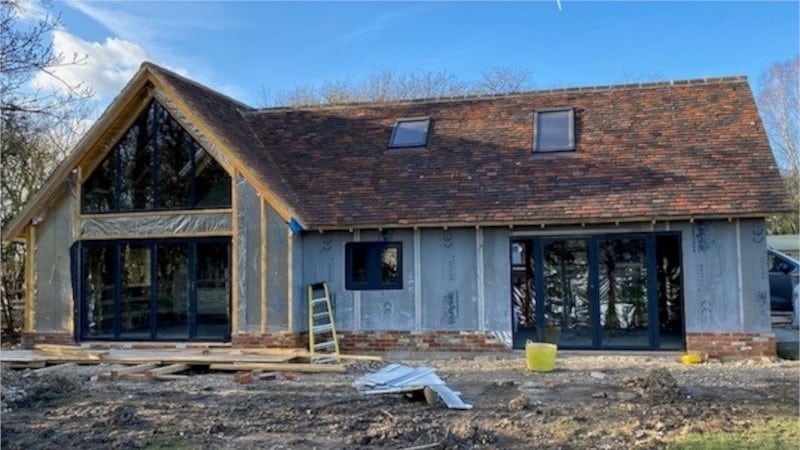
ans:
(156, 165)
(554, 130)
(411, 132)
(373, 265)
(162, 289)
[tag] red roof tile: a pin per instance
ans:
(689, 149)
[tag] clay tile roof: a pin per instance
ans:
(665, 150)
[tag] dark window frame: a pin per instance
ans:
(192, 148)
(402, 120)
(374, 281)
(116, 246)
(570, 147)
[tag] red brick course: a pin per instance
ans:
(279, 339)
(720, 345)
(29, 339)
(436, 341)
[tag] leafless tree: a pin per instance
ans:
(37, 126)
(780, 111)
(389, 86)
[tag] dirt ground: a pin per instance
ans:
(610, 401)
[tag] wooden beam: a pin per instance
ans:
(278, 204)
(182, 212)
(290, 281)
(263, 268)
(129, 96)
(166, 370)
(359, 357)
(235, 254)
(115, 131)
(158, 235)
(139, 368)
(30, 279)
(53, 368)
(278, 367)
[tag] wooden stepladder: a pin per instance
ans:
(322, 342)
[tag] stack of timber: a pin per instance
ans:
(166, 364)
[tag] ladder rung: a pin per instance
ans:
(324, 345)
(317, 301)
(320, 315)
(323, 328)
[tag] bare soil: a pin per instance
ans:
(587, 402)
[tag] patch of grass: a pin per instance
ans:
(777, 433)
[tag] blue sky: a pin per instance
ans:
(240, 48)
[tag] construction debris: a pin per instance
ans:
(165, 364)
(399, 378)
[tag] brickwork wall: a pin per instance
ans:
(283, 339)
(28, 340)
(717, 345)
(434, 341)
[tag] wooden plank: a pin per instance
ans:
(170, 377)
(166, 370)
(67, 350)
(277, 367)
(269, 351)
(30, 278)
(26, 365)
(191, 358)
(139, 368)
(359, 357)
(53, 368)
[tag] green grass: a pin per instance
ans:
(777, 433)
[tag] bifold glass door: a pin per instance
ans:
(155, 290)
(598, 291)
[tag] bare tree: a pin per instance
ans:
(780, 111)
(503, 80)
(37, 126)
(386, 86)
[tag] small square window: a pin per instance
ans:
(373, 265)
(410, 132)
(554, 130)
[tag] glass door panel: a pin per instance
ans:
(523, 293)
(623, 292)
(670, 291)
(172, 313)
(98, 308)
(213, 290)
(567, 312)
(136, 285)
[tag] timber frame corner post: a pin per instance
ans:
(30, 278)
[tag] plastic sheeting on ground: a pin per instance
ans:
(399, 378)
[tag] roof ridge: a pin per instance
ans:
(157, 68)
(514, 94)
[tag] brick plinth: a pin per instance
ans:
(720, 345)
(435, 341)
(280, 339)
(29, 339)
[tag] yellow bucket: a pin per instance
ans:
(540, 357)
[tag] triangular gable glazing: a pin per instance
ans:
(156, 165)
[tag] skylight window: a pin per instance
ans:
(554, 130)
(410, 132)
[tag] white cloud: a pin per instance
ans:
(104, 67)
